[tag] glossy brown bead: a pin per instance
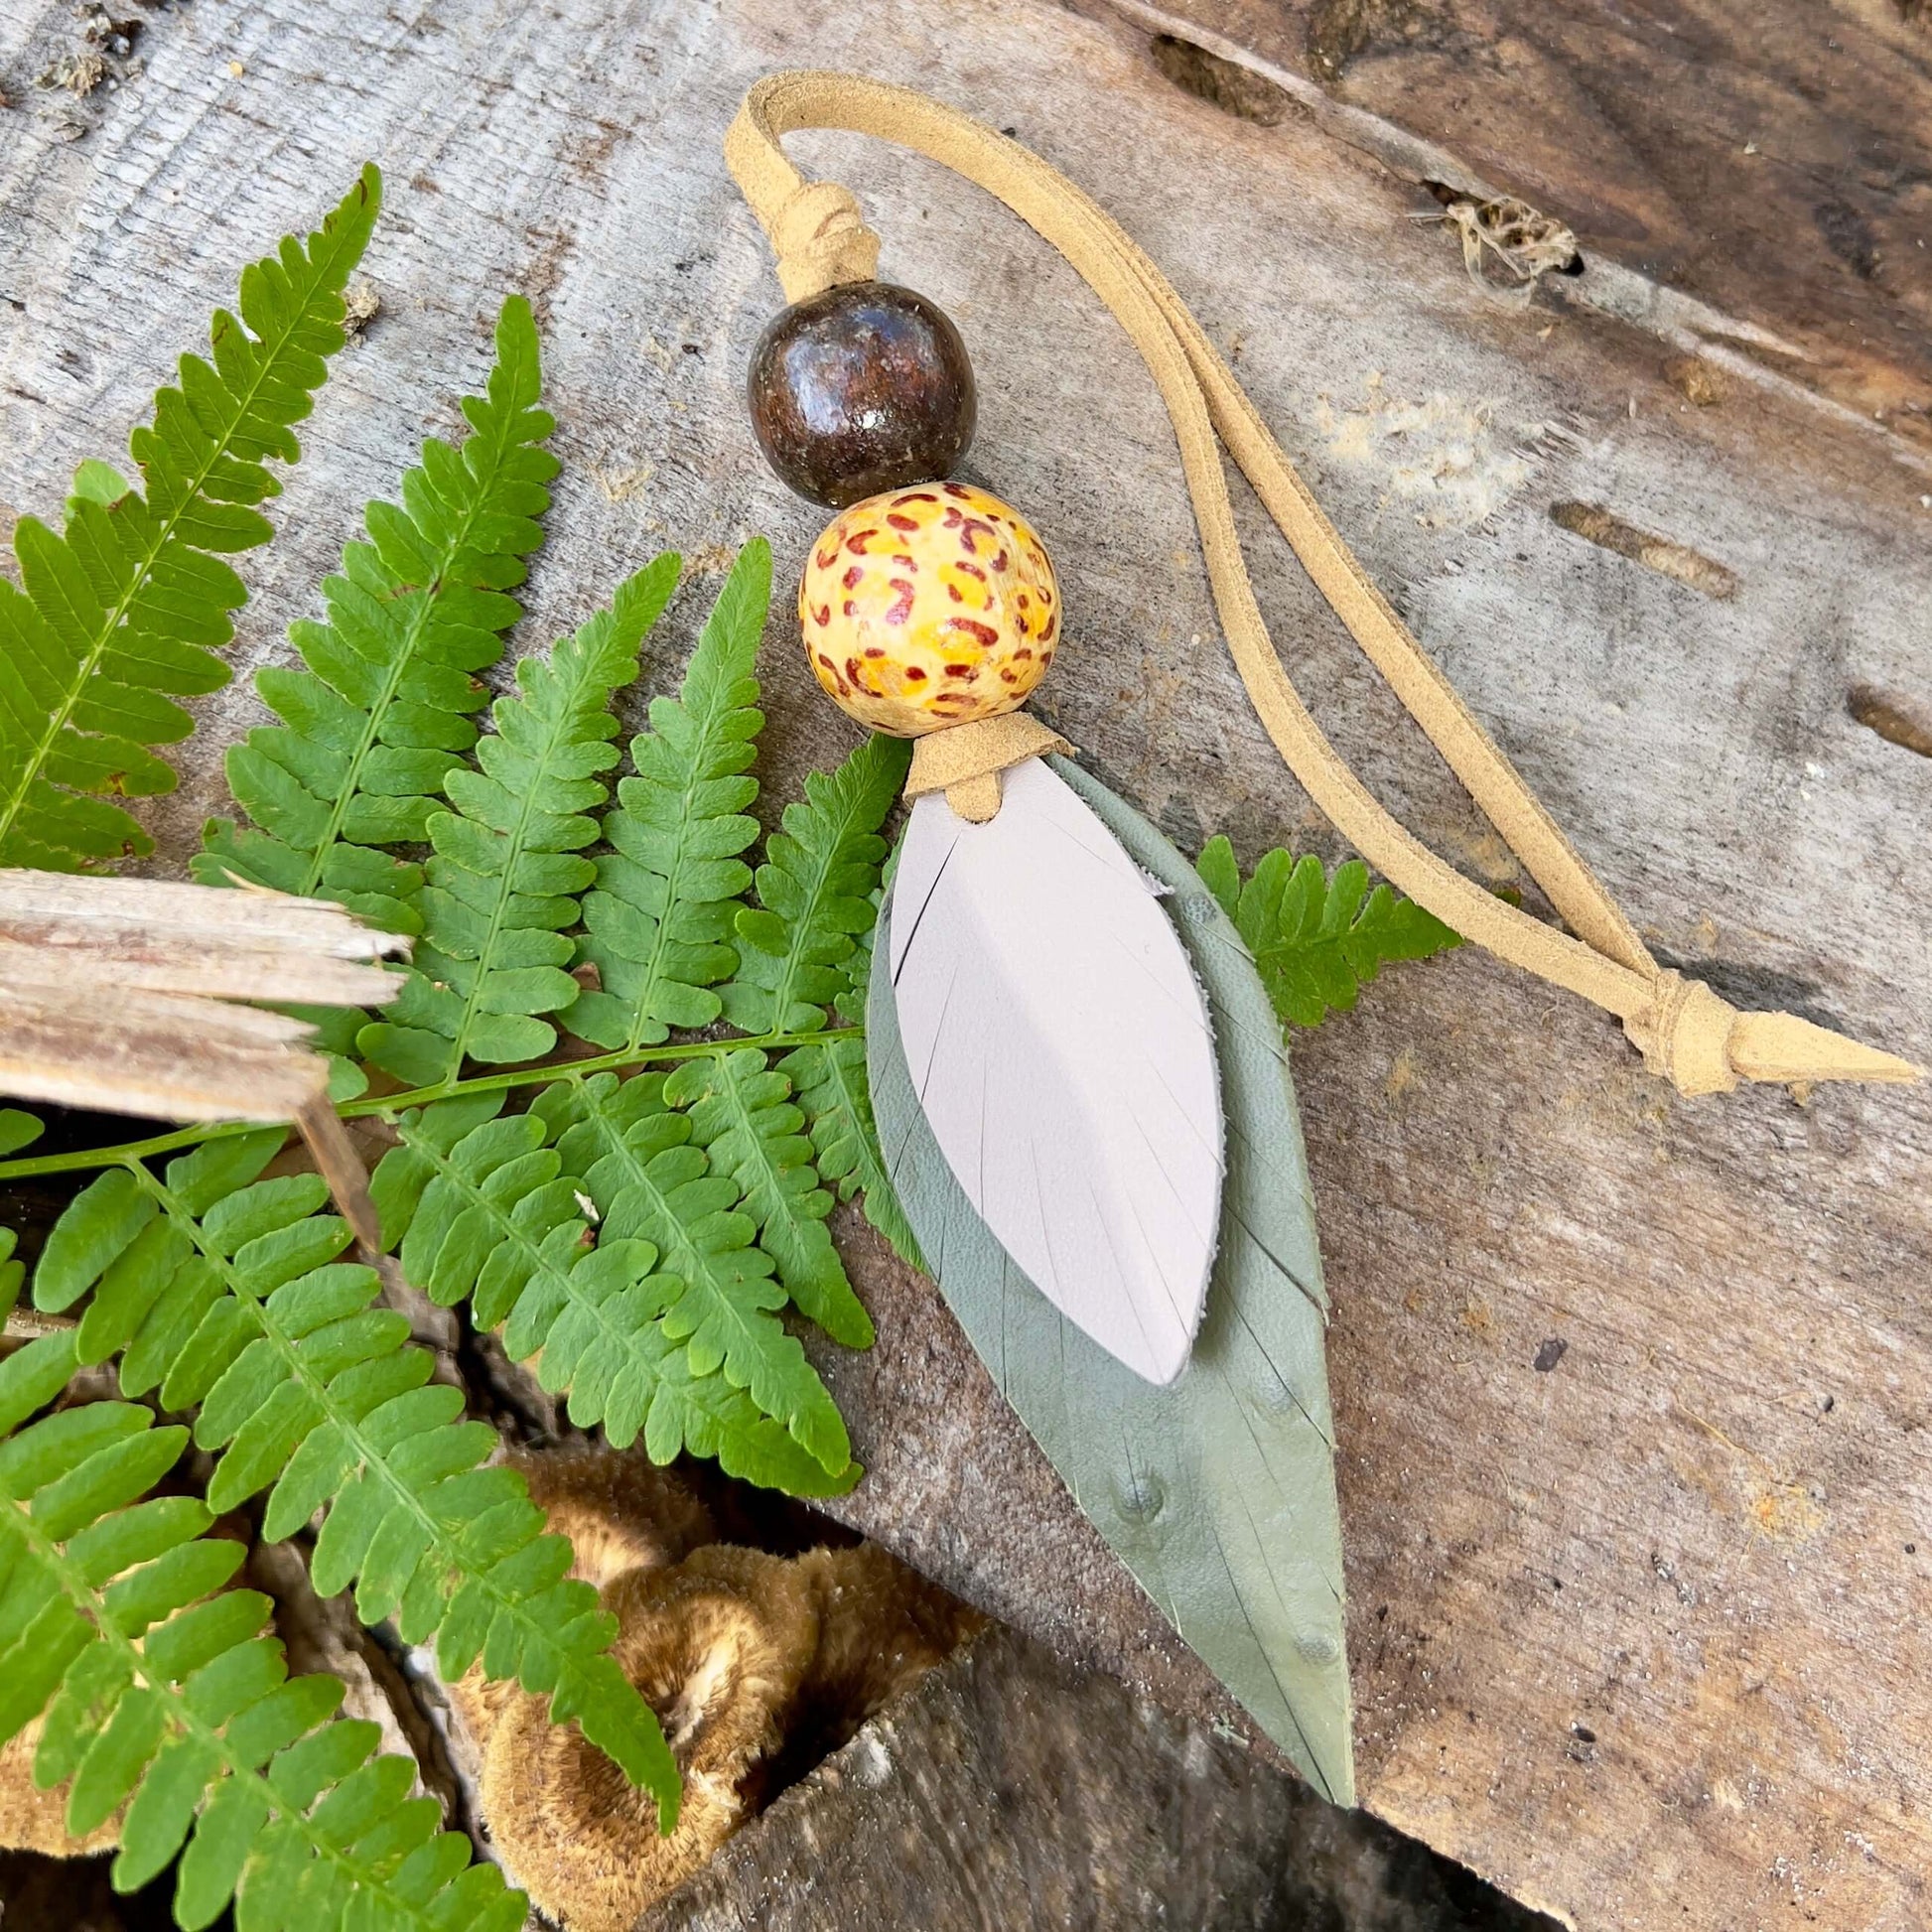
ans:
(861, 388)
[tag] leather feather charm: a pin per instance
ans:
(1035, 1063)
(1060, 1046)
(1079, 1080)
(1061, 1053)
(1217, 1489)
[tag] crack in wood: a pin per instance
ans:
(1597, 525)
(1897, 718)
(1226, 84)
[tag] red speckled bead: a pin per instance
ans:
(928, 606)
(861, 388)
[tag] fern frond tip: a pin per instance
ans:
(1318, 938)
(125, 607)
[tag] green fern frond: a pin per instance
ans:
(223, 1292)
(660, 923)
(650, 1180)
(816, 894)
(1317, 938)
(742, 1115)
(829, 1082)
(509, 861)
(383, 712)
(123, 611)
(481, 1205)
(13, 1272)
(157, 1690)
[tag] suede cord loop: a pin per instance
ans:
(1686, 1032)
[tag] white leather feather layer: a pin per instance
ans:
(1062, 1051)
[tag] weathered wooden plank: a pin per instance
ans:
(1770, 160)
(1723, 1469)
(1009, 1790)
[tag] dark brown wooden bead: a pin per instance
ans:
(860, 388)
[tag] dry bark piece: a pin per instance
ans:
(114, 992)
(163, 936)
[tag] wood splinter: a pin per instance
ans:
(123, 995)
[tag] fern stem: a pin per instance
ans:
(129, 1153)
(525, 1076)
(182, 1718)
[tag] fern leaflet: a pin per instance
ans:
(660, 923)
(829, 1082)
(157, 1689)
(482, 1206)
(509, 861)
(741, 1116)
(17, 1130)
(224, 1293)
(816, 894)
(382, 714)
(123, 611)
(807, 953)
(650, 1180)
(1317, 938)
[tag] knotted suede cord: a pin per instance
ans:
(1685, 1032)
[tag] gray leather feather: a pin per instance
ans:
(1217, 1491)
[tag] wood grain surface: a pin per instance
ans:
(1772, 161)
(1632, 1392)
(1009, 1790)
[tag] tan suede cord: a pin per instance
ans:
(1686, 1033)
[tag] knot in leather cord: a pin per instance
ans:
(1684, 1035)
(821, 239)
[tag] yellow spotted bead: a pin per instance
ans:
(928, 606)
